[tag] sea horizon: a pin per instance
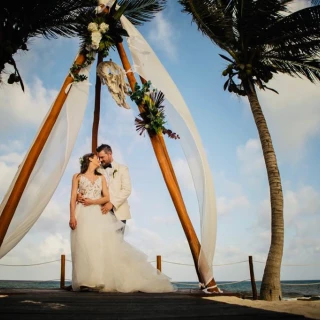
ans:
(291, 289)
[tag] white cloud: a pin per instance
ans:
(24, 109)
(250, 156)
(293, 116)
(7, 173)
(183, 173)
(233, 205)
(12, 158)
(298, 207)
(162, 35)
(53, 246)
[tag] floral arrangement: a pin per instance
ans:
(152, 118)
(99, 30)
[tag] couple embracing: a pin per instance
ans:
(101, 259)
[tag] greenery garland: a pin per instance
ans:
(152, 118)
(98, 33)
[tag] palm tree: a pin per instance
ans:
(22, 20)
(261, 39)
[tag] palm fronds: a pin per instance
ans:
(140, 11)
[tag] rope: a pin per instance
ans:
(27, 265)
(291, 265)
(171, 262)
(215, 265)
(227, 283)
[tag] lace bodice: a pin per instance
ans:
(89, 189)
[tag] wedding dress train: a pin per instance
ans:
(100, 256)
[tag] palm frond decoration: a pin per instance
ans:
(152, 118)
(50, 19)
(141, 11)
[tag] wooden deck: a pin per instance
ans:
(59, 304)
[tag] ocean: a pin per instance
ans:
(290, 289)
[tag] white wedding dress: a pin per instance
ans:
(101, 258)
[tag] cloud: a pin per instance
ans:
(7, 173)
(53, 246)
(293, 116)
(24, 109)
(162, 35)
(300, 205)
(233, 205)
(12, 158)
(183, 173)
(250, 156)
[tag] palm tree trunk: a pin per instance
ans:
(96, 114)
(165, 164)
(270, 286)
(33, 155)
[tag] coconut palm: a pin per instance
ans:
(22, 20)
(262, 38)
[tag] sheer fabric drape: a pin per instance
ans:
(50, 165)
(147, 65)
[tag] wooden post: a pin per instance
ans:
(33, 155)
(253, 282)
(63, 271)
(96, 115)
(170, 178)
(159, 263)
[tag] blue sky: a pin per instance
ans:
(229, 136)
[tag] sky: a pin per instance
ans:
(229, 136)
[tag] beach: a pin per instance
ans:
(309, 309)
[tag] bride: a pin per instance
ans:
(101, 259)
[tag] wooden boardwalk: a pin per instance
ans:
(59, 304)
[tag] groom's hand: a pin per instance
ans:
(106, 207)
(80, 198)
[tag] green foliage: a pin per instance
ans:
(23, 20)
(152, 118)
(141, 11)
(262, 38)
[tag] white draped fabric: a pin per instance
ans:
(49, 167)
(55, 155)
(147, 65)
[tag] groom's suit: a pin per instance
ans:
(119, 184)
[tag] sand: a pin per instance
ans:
(309, 309)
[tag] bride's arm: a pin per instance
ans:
(73, 200)
(105, 195)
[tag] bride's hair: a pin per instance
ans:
(84, 164)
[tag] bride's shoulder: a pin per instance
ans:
(76, 176)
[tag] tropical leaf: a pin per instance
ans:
(294, 67)
(140, 11)
(295, 29)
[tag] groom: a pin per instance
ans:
(118, 178)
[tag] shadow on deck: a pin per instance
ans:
(184, 304)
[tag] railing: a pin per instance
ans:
(159, 262)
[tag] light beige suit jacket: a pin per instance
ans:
(119, 185)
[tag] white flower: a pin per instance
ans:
(95, 45)
(96, 36)
(93, 26)
(103, 28)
